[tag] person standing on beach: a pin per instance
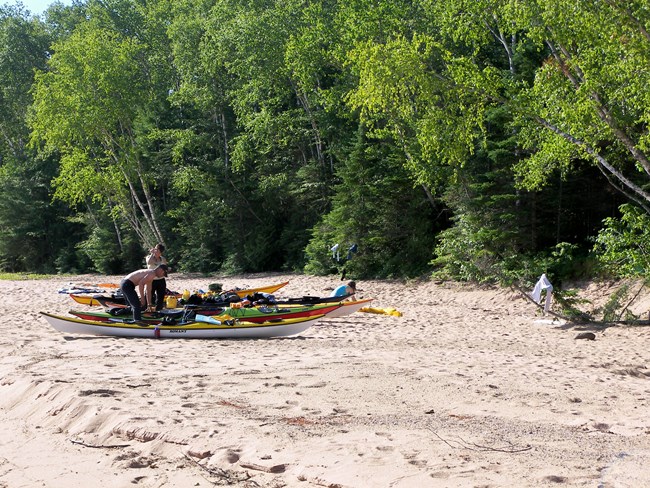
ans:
(159, 285)
(343, 290)
(142, 279)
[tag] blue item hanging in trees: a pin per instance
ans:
(352, 250)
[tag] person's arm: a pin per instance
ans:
(351, 292)
(141, 289)
(149, 291)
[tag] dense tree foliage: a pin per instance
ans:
(477, 139)
(34, 234)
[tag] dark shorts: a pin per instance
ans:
(132, 298)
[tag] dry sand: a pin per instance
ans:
(469, 388)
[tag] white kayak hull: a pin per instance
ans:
(194, 330)
(347, 308)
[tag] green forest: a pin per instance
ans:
(476, 140)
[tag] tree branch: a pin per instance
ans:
(477, 447)
(599, 159)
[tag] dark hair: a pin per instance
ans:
(160, 247)
(164, 267)
(353, 285)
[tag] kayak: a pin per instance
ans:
(262, 289)
(304, 300)
(347, 308)
(310, 300)
(101, 300)
(213, 329)
(249, 314)
(88, 299)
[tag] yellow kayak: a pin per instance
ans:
(86, 299)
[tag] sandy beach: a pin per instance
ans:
(468, 388)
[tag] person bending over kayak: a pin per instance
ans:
(142, 279)
(349, 289)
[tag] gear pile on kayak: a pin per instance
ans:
(239, 313)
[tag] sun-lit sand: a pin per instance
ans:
(469, 388)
